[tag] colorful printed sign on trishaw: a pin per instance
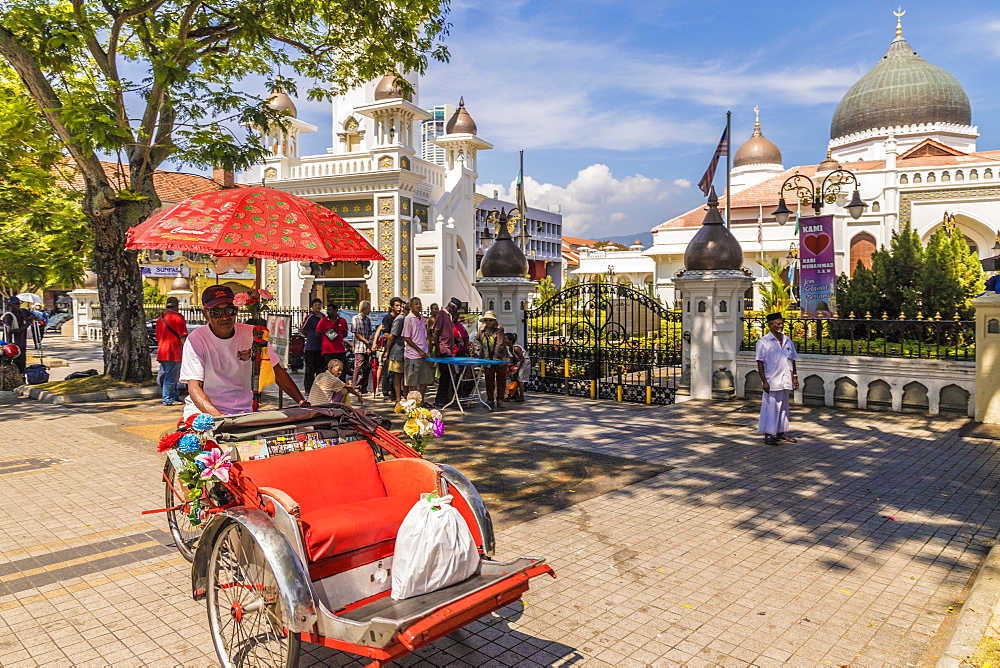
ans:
(818, 276)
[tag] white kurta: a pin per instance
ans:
(777, 357)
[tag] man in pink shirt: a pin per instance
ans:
(444, 341)
(418, 373)
(333, 330)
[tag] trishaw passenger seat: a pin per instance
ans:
(343, 504)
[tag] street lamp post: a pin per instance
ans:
(809, 194)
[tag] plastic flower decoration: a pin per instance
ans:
(241, 299)
(217, 464)
(422, 424)
(198, 460)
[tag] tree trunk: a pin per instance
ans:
(119, 286)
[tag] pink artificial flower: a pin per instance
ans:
(438, 428)
(264, 294)
(217, 464)
(241, 299)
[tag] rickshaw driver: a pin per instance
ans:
(216, 361)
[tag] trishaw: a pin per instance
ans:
(299, 546)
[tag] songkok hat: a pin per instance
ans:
(774, 316)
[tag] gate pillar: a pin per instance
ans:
(712, 303)
(506, 297)
(988, 358)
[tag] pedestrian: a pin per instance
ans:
(171, 332)
(217, 361)
(518, 371)
(329, 388)
(443, 343)
(334, 330)
(364, 346)
(16, 322)
(313, 353)
(382, 340)
(41, 322)
(463, 348)
(418, 373)
(776, 357)
(491, 344)
(397, 354)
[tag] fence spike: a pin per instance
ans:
(885, 316)
(956, 316)
(868, 315)
(937, 316)
(920, 315)
(851, 316)
(902, 315)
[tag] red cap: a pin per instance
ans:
(215, 295)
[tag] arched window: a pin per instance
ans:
(931, 178)
(917, 179)
(862, 247)
(988, 173)
(876, 207)
(904, 179)
(959, 176)
(973, 174)
(945, 176)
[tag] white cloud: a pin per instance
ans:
(596, 202)
(682, 183)
(533, 89)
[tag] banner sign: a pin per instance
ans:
(154, 270)
(247, 274)
(280, 327)
(818, 276)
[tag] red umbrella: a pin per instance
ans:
(254, 222)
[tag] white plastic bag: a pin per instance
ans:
(434, 549)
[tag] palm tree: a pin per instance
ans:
(777, 296)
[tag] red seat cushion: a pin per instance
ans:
(333, 476)
(338, 529)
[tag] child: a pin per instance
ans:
(518, 371)
(329, 388)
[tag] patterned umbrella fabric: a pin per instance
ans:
(254, 222)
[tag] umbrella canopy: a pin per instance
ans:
(30, 298)
(253, 222)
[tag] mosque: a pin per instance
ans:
(905, 131)
(407, 185)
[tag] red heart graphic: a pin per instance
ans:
(817, 242)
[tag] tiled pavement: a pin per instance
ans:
(847, 548)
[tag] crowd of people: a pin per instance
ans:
(401, 354)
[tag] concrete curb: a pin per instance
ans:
(975, 615)
(47, 397)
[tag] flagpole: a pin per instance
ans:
(760, 229)
(729, 162)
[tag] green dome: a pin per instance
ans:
(902, 89)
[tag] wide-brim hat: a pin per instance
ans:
(489, 315)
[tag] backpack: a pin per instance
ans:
(36, 374)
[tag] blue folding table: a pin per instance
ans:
(477, 365)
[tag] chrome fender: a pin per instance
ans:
(293, 578)
(465, 487)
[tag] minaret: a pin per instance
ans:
(283, 144)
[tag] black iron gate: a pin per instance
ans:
(604, 341)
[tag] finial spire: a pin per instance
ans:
(756, 111)
(899, 21)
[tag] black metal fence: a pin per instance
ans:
(932, 338)
(604, 341)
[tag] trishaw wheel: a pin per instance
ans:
(185, 534)
(246, 615)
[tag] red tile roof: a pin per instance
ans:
(172, 187)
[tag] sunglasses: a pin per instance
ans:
(222, 312)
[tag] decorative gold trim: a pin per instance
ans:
(906, 199)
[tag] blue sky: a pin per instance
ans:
(618, 106)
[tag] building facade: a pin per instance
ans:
(407, 185)
(905, 131)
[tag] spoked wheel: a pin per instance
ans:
(185, 534)
(245, 611)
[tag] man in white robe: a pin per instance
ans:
(776, 357)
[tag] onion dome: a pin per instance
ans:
(279, 100)
(180, 283)
(504, 258)
(460, 122)
(757, 150)
(828, 164)
(902, 89)
(89, 279)
(714, 246)
(388, 88)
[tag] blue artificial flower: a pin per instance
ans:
(189, 443)
(200, 464)
(203, 422)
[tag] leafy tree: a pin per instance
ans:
(859, 294)
(41, 224)
(152, 295)
(952, 275)
(546, 288)
(777, 296)
(897, 274)
(163, 79)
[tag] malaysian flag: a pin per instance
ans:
(722, 149)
